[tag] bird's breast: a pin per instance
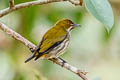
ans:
(62, 47)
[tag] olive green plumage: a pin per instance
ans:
(54, 35)
(53, 39)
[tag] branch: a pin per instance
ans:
(77, 2)
(11, 4)
(32, 3)
(17, 36)
(31, 46)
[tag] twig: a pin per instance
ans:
(11, 4)
(81, 2)
(70, 68)
(29, 4)
(17, 36)
(25, 5)
(77, 2)
(31, 46)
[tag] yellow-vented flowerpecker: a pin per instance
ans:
(55, 40)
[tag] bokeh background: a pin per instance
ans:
(91, 48)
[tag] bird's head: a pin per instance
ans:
(67, 24)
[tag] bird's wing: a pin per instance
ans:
(51, 39)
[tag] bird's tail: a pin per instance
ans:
(36, 55)
(29, 58)
(40, 54)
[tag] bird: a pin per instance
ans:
(55, 41)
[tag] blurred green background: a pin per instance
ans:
(91, 48)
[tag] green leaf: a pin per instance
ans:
(102, 10)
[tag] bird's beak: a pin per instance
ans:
(76, 25)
